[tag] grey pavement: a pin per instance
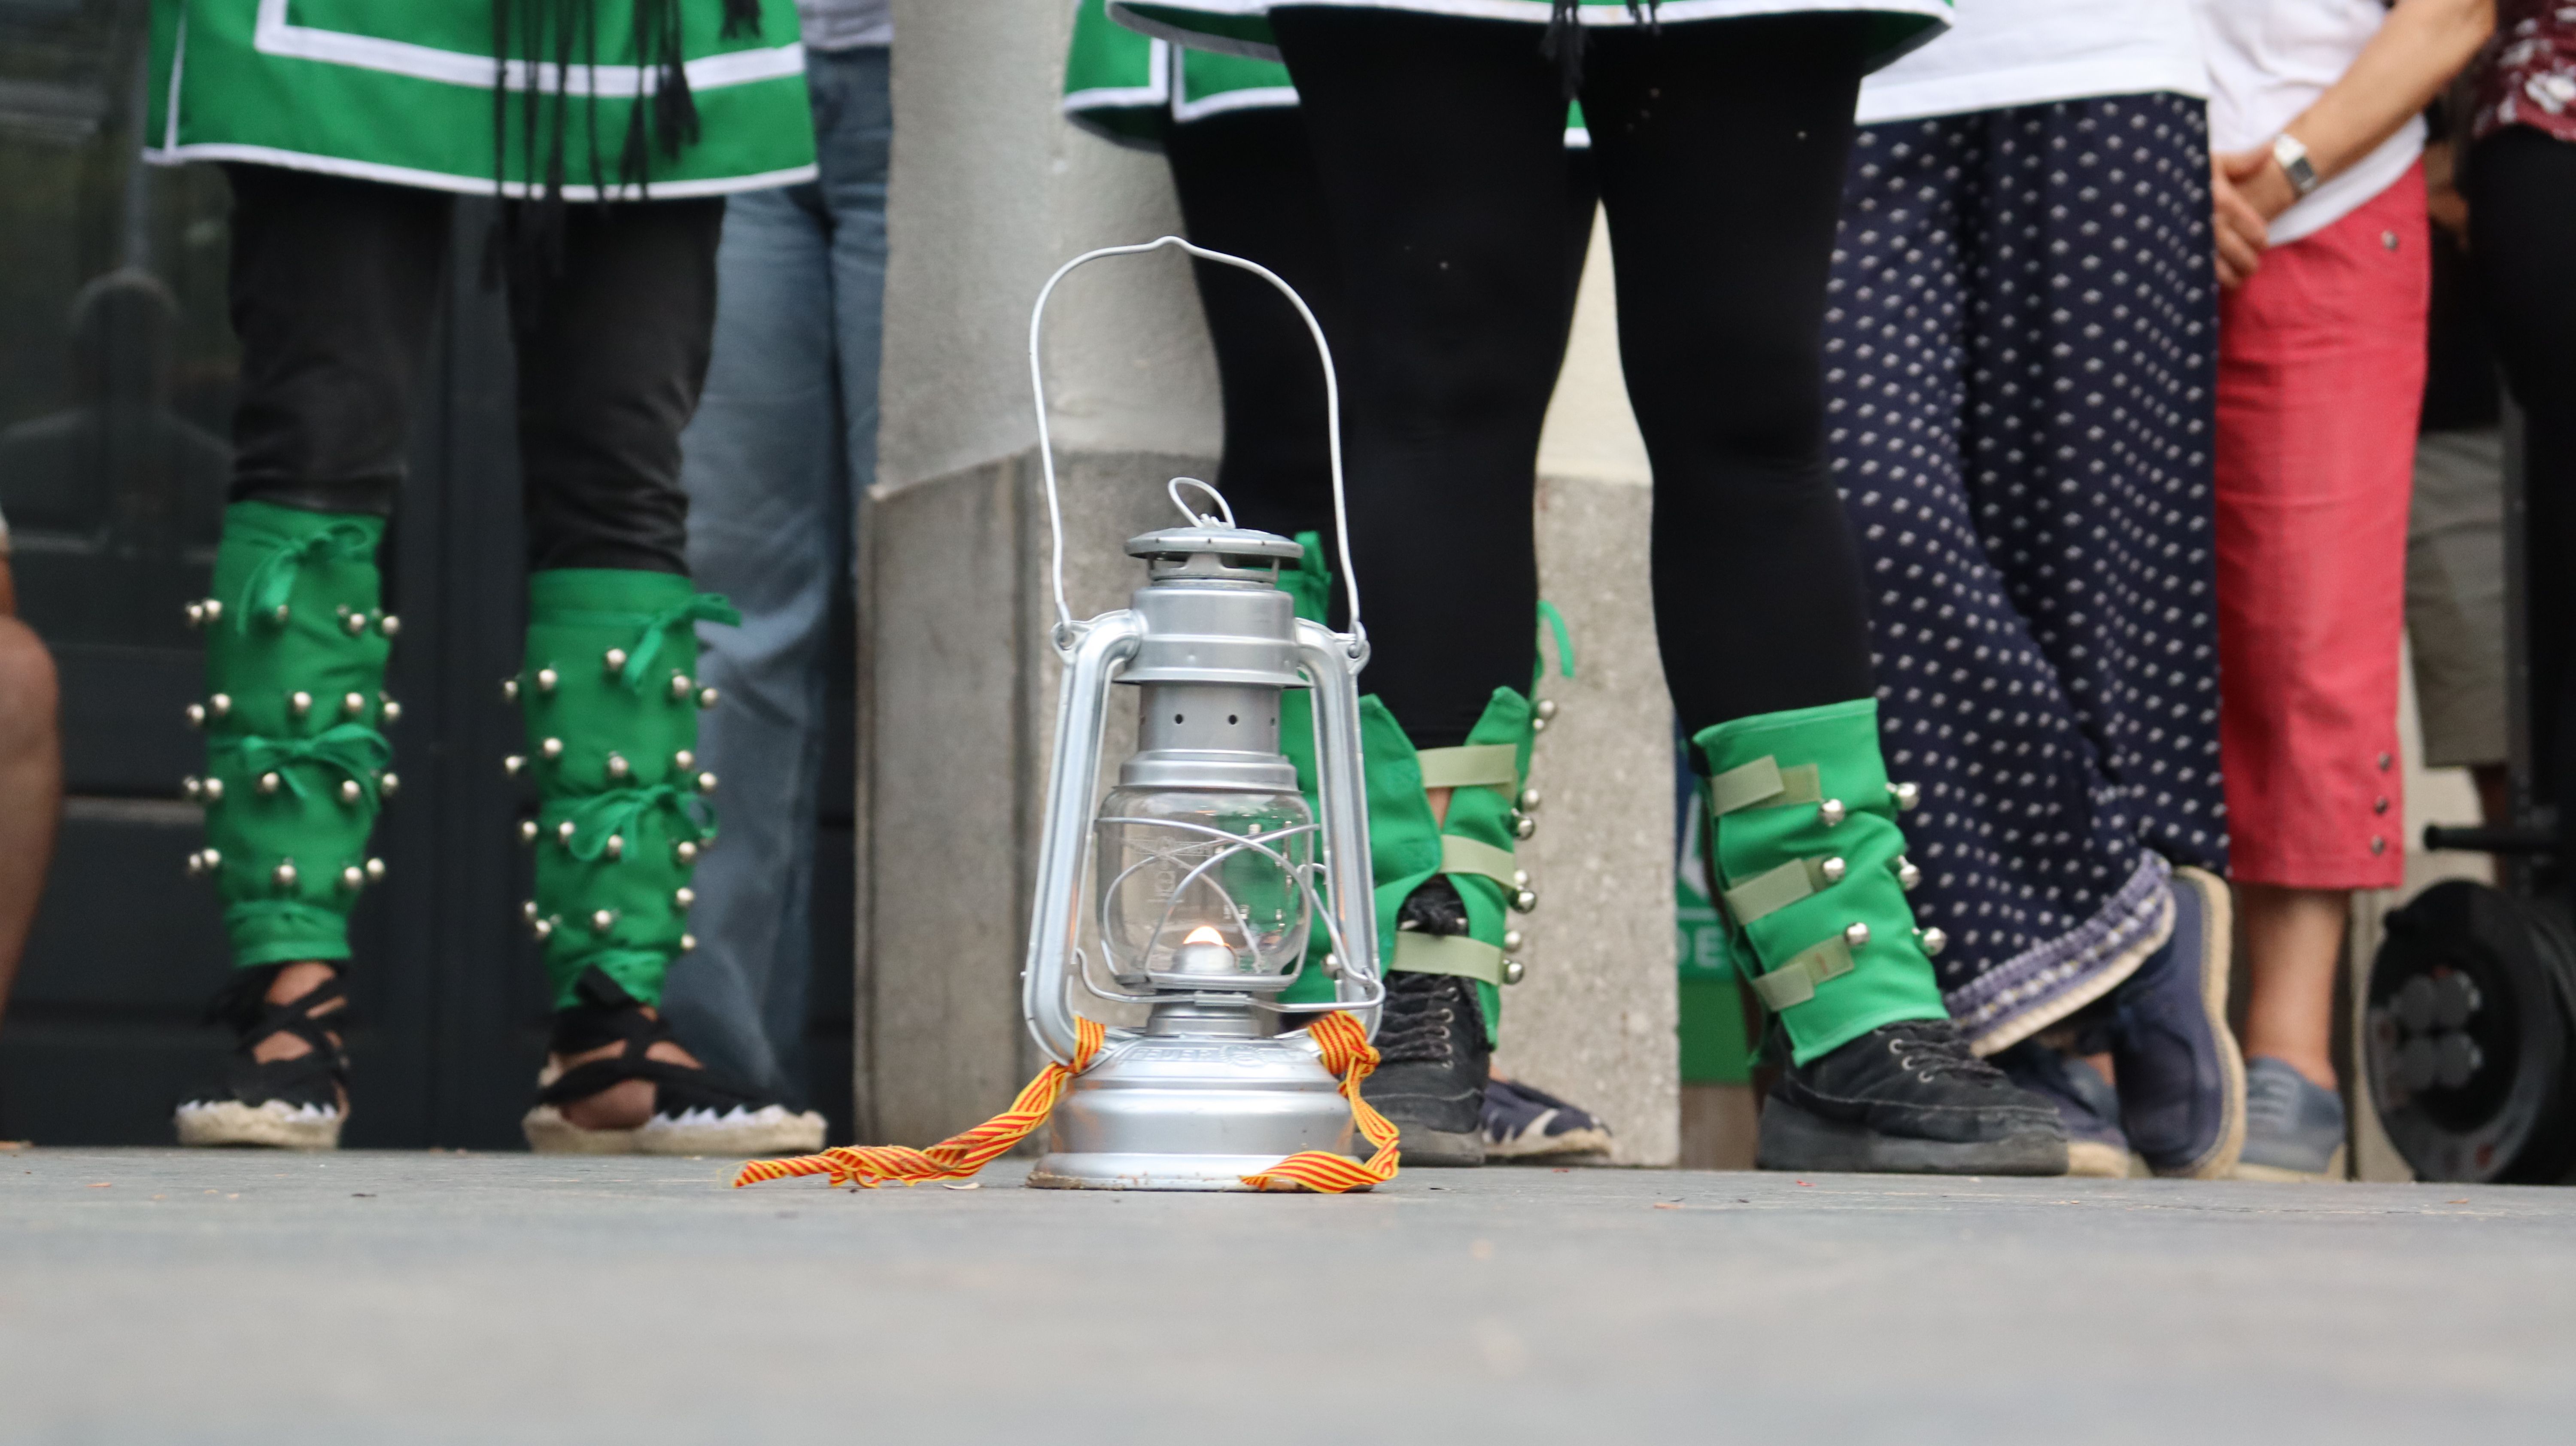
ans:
(168, 1297)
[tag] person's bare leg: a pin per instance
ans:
(31, 784)
(2294, 946)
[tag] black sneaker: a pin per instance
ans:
(1431, 1048)
(1908, 1098)
(1430, 1077)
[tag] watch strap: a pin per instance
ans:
(2293, 156)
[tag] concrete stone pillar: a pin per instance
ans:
(991, 191)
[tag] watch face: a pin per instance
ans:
(2293, 159)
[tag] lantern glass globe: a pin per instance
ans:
(1204, 884)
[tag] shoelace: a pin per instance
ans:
(1935, 1051)
(1416, 1026)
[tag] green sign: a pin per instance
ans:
(1714, 1047)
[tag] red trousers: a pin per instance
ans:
(2320, 378)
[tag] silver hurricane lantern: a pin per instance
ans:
(1206, 874)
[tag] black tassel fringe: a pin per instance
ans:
(526, 243)
(1563, 42)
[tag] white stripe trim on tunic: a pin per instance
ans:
(1154, 93)
(468, 185)
(1259, 97)
(276, 35)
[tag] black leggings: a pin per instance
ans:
(2522, 239)
(1720, 148)
(333, 286)
(1248, 187)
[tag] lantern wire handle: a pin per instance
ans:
(1224, 513)
(1065, 628)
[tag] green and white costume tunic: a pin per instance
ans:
(404, 91)
(1242, 27)
(1132, 88)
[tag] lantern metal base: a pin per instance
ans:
(1148, 1172)
(1192, 1112)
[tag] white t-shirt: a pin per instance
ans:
(2002, 53)
(846, 24)
(2270, 60)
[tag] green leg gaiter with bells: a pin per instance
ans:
(611, 704)
(1407, 846)
(1811, 872)
(295, 765)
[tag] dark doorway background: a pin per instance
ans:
(111, 491)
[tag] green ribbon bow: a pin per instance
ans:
(618, 811)
(272, 583)
(702, 607)
(354, 750)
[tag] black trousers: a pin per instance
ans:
(1248, 186)
(334, 283)
(1720, 148)
(2521, 186)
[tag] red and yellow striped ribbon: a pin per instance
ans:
(1345, 1049)
(1348, 1053)
(954, 1158)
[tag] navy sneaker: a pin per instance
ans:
(1523, 1122)
(2293, 1128)
(2181, 1081)
(2085, 1101)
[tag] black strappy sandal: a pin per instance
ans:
(695, 1111)
(285, 1104)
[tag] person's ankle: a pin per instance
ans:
(293, 982)
(298, 979)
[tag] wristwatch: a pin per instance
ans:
(2294, 162)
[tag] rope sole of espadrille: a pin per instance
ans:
(275, 1125)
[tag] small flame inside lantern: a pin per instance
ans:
(1204, 951)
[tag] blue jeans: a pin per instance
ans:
(784, 442)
